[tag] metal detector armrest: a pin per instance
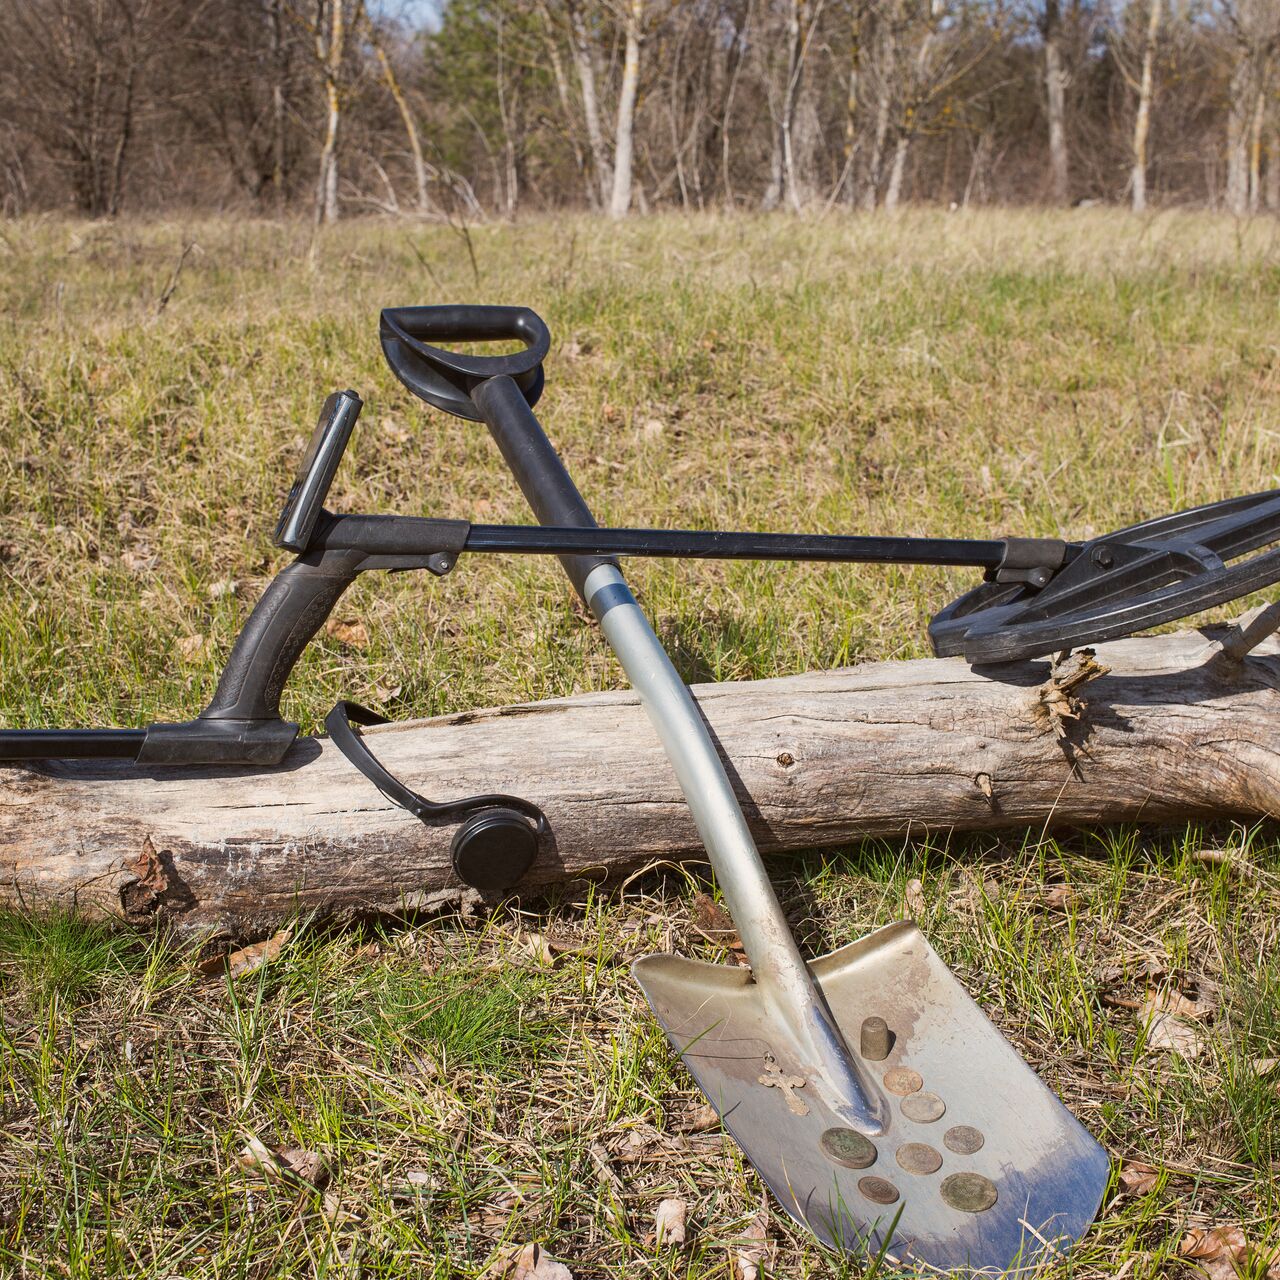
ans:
(242, 723)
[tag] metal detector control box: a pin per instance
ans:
(316, 471)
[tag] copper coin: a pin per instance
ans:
(969, 1192)
(881, 1190)
(923, 1107)
(919, 1157)
(963, 1139)
(848, 1147)
(902, 1080)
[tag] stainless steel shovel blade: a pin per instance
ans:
(876, 1100)
(982, 1165)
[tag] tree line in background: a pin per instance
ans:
(496, 106)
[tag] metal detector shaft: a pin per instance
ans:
(776, 963)
(715, 544)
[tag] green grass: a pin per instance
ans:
(933, 374)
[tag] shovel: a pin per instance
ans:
(880, 1105)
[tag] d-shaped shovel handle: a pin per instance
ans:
(447, 378)
(497, 390)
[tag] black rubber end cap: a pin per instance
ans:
(494, 850)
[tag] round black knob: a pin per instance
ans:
(493, 850)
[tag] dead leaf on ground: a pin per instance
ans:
(349, 631)
(754, 1249)
(1168, 1034)
(290, 1164)
(247, 959)
(139, 561)
(698, 1119)
(669, 1228)
(257, 1157)
(547, 951)
(335, 1212)
(711, 917)
(1265, 1066)
(1174, 1002)
(1058, 896)
(192, 648)
(307, 1166)
(1216, 1250)
(633, 1147)
(1138, 1179)
(1169, 1018)
(914, 898)
(526, 1262)
(223, 587)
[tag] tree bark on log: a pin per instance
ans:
(1172, 727)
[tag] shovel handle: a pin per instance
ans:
(446, 378)
(790, 990)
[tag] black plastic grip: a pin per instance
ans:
(292, 609)
(447, 378)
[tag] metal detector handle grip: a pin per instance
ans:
(445, 378)
(292, 609)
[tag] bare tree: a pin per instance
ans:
(82, 67)
(329, 27)
(406, 115)
(1253, 39)
(549, 32)
(1142, 119)
(624, 134)
(1055, 84)
(584, 60)
(619, 104)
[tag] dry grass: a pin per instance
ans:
(1033, 372)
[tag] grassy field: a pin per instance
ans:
(475, 1084)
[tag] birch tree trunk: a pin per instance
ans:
(851, 109)
(1255, 146)
(330, 47)
(116, 189)
(1142, 121)
(566, 106)
(879, 137)
(790, 91)
(509, 114)
(1272, 176)
(585, 63)
(1055, 81)
(893, 192)
(624, 135)
(275, 24)
(1238, 118)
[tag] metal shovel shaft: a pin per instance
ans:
(776, 963)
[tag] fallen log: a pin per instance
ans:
(1158, 728)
